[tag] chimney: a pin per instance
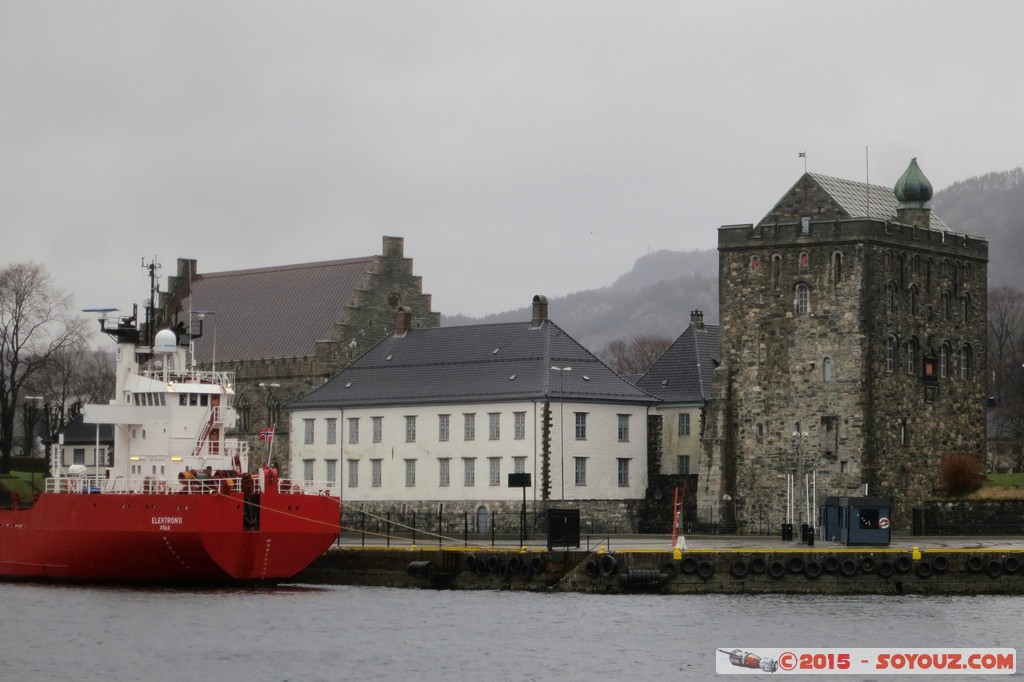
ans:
(403, 320)
(697, 319)
(540, 310)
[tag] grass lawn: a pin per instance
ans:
(21, 482)
(1006, 479)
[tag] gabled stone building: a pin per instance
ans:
(284, 330)
(853, 329)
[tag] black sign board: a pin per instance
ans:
(519, 480)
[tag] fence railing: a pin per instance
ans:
(424, 527)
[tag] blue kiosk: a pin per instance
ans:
(856, 520)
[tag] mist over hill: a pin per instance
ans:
(655, 297)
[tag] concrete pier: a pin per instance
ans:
(718, 564)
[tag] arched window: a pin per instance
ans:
(837, 268)
(904, 435)
(890, 298)
(965, 362)
(944, 305)
(273, 411)
(890, 355)
(805, 261)
(803, 299)
(776, 269)
(755, 264)
(967, 306)
(944, 354)
(244, 415)
(911, 349)
(826, 369)
(928, 278)
(913, 300)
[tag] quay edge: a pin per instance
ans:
(831, 571)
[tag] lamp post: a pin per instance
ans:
(31, 421)
(272, 427)
(798, 437)
(561, 420)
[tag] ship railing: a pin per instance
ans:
(289, 485)
(190, 376)
(147, 486)
(229, 447)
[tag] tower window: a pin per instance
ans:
(803, 299)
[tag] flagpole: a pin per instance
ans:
(270, 452)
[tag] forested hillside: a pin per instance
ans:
(990, 206)
(656, 296)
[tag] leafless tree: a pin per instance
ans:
(636, 356)
(35, 325)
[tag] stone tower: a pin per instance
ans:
(853, 328)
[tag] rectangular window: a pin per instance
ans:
(623, 428)
(581, 470)
(494, 470)
(469, 431)
(623, 472)
(378, 429)
(444, 467)
(520, 425)
(494, 425)
(307, 425)
(684, 424)
(410, 429)
(470, 470)
(79, 456)
(353, 473)
(332, 431)
(410, 473)
(332, 470)
(307, 470)
(581, 426)
(443, 421)
(375, 475)
(519, 465)
(760, 432)
(353, 430)
(683, 464)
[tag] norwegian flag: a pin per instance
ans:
(267, 434)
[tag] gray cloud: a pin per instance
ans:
(519, 148)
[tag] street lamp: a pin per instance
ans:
(31, 418)
(272, 427)
(798, 438)
(561, 419)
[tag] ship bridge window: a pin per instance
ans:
(193, 399)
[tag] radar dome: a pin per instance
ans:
(166, 342)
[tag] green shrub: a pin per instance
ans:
(961, 473)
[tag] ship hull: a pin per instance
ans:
(144, 538)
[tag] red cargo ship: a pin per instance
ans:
(178, 503)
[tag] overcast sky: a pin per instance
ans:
(518, 147)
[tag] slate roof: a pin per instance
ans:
(861, 200)
(509, 361)
(683, 372)
(77, 432)
(274, 312)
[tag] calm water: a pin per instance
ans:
(356, 633)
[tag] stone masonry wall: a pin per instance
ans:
(821, 372)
